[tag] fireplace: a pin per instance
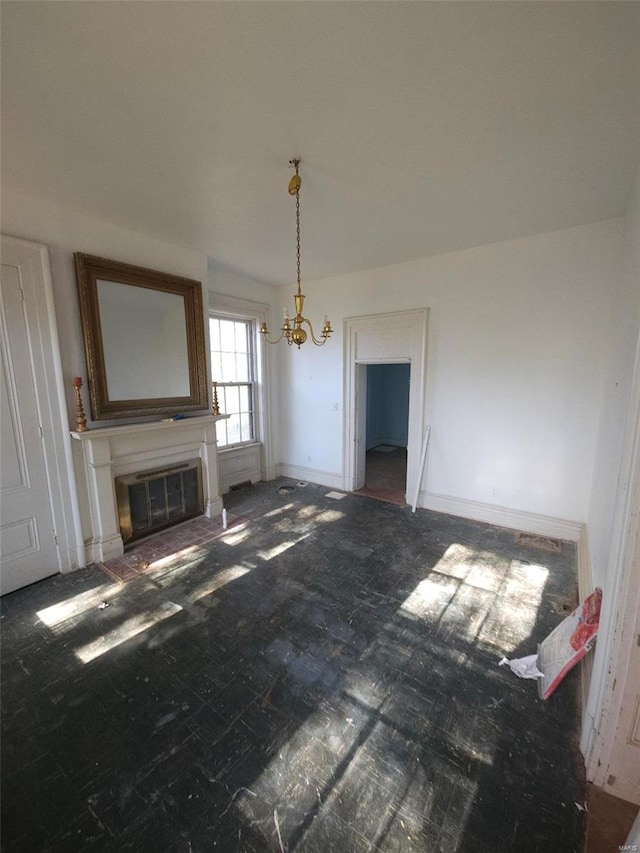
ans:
(152, 500)
(158, 450)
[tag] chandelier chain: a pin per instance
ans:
(298, 231)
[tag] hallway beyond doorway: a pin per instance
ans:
(386, 474)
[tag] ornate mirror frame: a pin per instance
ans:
(189, 358)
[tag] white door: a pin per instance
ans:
(28, 547)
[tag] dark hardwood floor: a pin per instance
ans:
(323, 676)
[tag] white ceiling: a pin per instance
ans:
(423, 127)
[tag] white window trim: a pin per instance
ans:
(244, 309)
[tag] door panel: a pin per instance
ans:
(28, 550)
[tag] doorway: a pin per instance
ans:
(383, 339)
(387, 431)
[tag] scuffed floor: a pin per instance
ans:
(320, 678)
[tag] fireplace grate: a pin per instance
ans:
(149, 501)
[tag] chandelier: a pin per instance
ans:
(292, 330)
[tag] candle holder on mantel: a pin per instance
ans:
(81, 421)
(216, 404)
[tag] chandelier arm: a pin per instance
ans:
(313, 337)
(283, 332)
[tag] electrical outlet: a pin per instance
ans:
(335, 407)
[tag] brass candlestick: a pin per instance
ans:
(81, 421)
(216, 404)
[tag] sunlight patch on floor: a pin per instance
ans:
(126, 631)
(307, 511)
(515, 609)
(56, 615)
(430, 598)
(170, 573)
(236, 535)
(475, 595)
(270, 553)
(456, 561)
(277, 511)
(329, 515)
(215, 583)
(165, 562)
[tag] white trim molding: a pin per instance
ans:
(527, 522)
(585, 569)
(310, 475)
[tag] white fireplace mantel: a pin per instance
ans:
(106, 453)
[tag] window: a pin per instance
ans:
(233, 368)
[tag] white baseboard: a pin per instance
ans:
(311, 475)
(389, 442)
(99, 551)
(527, 522)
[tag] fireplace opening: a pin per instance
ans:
(149, 501)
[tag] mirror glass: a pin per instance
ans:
(144, 340)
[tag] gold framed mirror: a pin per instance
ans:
(144, 340)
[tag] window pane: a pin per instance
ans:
(216, 367)
(233, 429)
(214, 334)
(228, 360)
(242, 368)
(245, 399)
(233, 401)
(227, 335)
(241, 337)
(245, 427)
(221, 433)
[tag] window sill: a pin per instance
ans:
(223, 450)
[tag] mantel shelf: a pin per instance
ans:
(124, 429)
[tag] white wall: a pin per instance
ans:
(623, 339)
(65, 231)
(240, 287)
(519, 340)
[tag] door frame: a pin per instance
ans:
(397, 337)
(619, 605)
(46, 365)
